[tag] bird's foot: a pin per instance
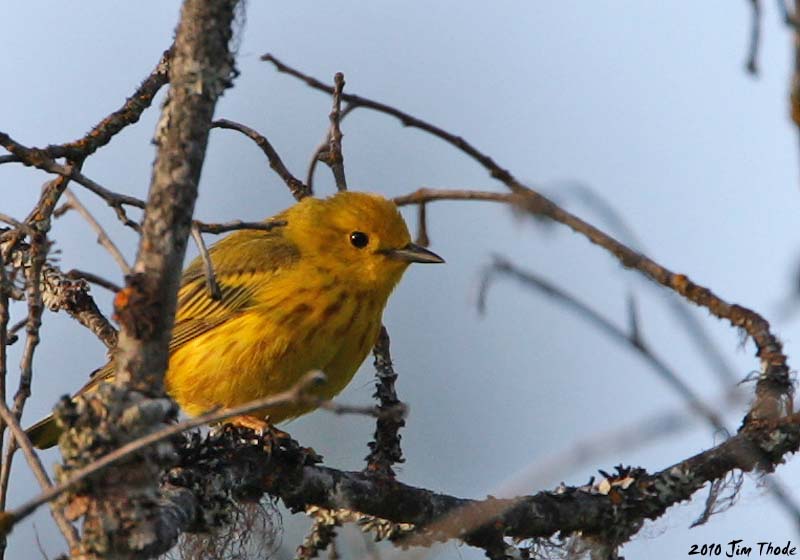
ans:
(258, 425)
(261, 426)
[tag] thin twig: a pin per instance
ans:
(33, 296)
(333, 156)
(14, 329)
(321, 149)
(422, 226)
(72, 295)
(39, 159)
(406, 119)
(4, 343)
(755, 38)
(69, 532)
(102, 237)
(77, 274)
(424, 196)
(237, 225)
(23, 227)
(296, 187)
(40, 216)
(62, 293)
(208, 267)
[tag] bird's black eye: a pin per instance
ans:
(359, 239)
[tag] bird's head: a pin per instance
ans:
(360, 236)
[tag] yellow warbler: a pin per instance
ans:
(308, 295)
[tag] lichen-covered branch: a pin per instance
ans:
(117, 510)
(385, 450)
(235, 463)
(60, 292)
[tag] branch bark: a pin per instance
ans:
(234, 463)
(118, 507)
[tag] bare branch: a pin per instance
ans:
(77, 274)
(407, 120)
(102, 237)
(102, 133)
(59, 291)
(39, 159)
(611, 511)
(237, 225)
(774, 390)
(296, 186)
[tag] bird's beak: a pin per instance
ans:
(414, 253)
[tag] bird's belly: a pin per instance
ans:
(253, 356)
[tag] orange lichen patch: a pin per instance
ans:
(680, 282)
(122, 299)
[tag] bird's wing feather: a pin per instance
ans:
(240, 274)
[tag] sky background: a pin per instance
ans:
(649, 106)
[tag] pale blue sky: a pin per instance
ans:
(647, 104)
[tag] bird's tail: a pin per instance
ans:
(45, 433)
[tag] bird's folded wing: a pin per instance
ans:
(241, 273)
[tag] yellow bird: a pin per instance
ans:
(305, 296)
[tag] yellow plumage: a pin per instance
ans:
(308, 295)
